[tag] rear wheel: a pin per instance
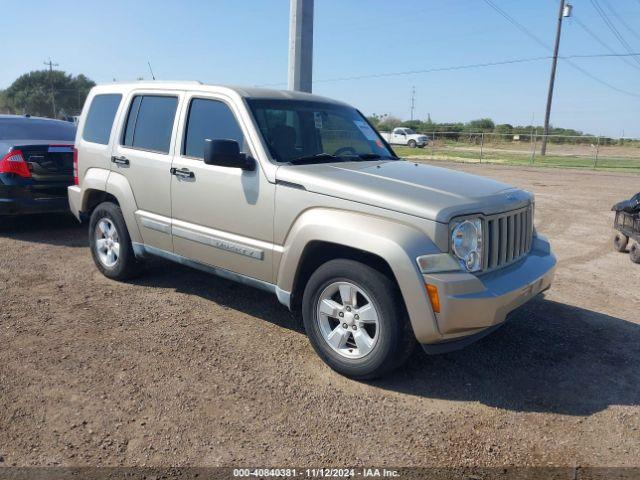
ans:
(110, 243)
(620, 242)
(412, 144)
(355, 319)
(634, 253)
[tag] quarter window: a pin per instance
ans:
(210, 119)
(97, 127)
(150, 123)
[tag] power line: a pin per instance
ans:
(605, 18)
(601, 42)
(621, 20)
(522, 28)
(462, 67)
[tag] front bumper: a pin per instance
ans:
(471, 307)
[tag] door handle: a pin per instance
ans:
(120, 160)
(182, 172)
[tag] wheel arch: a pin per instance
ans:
(322, 234)
(318, 252)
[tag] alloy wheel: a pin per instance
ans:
(348, 319)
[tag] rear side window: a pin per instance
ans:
(150, 122)
(209, 119)
(97, 127)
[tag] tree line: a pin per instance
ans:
(466, 131)
(57, 94)
(46, 93)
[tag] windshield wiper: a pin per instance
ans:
(320, 157)
(369, 156)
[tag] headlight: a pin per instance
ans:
(466, 243)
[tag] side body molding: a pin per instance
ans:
(118, 186)
(397, 243)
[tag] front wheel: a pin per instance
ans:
(110, 243)
(412, 144)
(355, 319)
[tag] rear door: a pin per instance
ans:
(143, 155)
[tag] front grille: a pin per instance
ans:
(507, 237)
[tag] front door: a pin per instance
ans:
(221, 216)
(143, 156)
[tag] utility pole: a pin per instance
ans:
(51, 92)
(563, 12)
(413, 100)
(301, 45)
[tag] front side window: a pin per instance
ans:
(301, 131)
(213, 120)
(97, 127)
(150, 123)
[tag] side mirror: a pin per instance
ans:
(226, 153)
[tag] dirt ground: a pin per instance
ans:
(182, 368)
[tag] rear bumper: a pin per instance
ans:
(32, 198)
(471, 307)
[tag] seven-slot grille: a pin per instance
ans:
(507, 237)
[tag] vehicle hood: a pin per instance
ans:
(425, 191)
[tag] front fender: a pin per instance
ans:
(399, 244)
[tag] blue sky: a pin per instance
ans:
(245, 42)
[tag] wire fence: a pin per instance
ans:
(526, 149)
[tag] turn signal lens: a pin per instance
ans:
(432, 291)
(75, 167)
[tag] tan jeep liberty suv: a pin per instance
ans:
(298, 195)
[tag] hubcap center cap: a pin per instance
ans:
(348, 318)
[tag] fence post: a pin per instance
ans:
(433, 143)
(533, 150)
(595, 155)
(481, 145)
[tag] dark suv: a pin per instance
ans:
(36, 164)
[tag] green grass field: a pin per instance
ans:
(446, 153)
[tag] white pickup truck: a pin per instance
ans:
(405, 136)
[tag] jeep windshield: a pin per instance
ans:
(299, 131)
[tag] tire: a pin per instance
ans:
(620, 242)
(123, 264)
(634, 253)
(381, 346)
(411, 144)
